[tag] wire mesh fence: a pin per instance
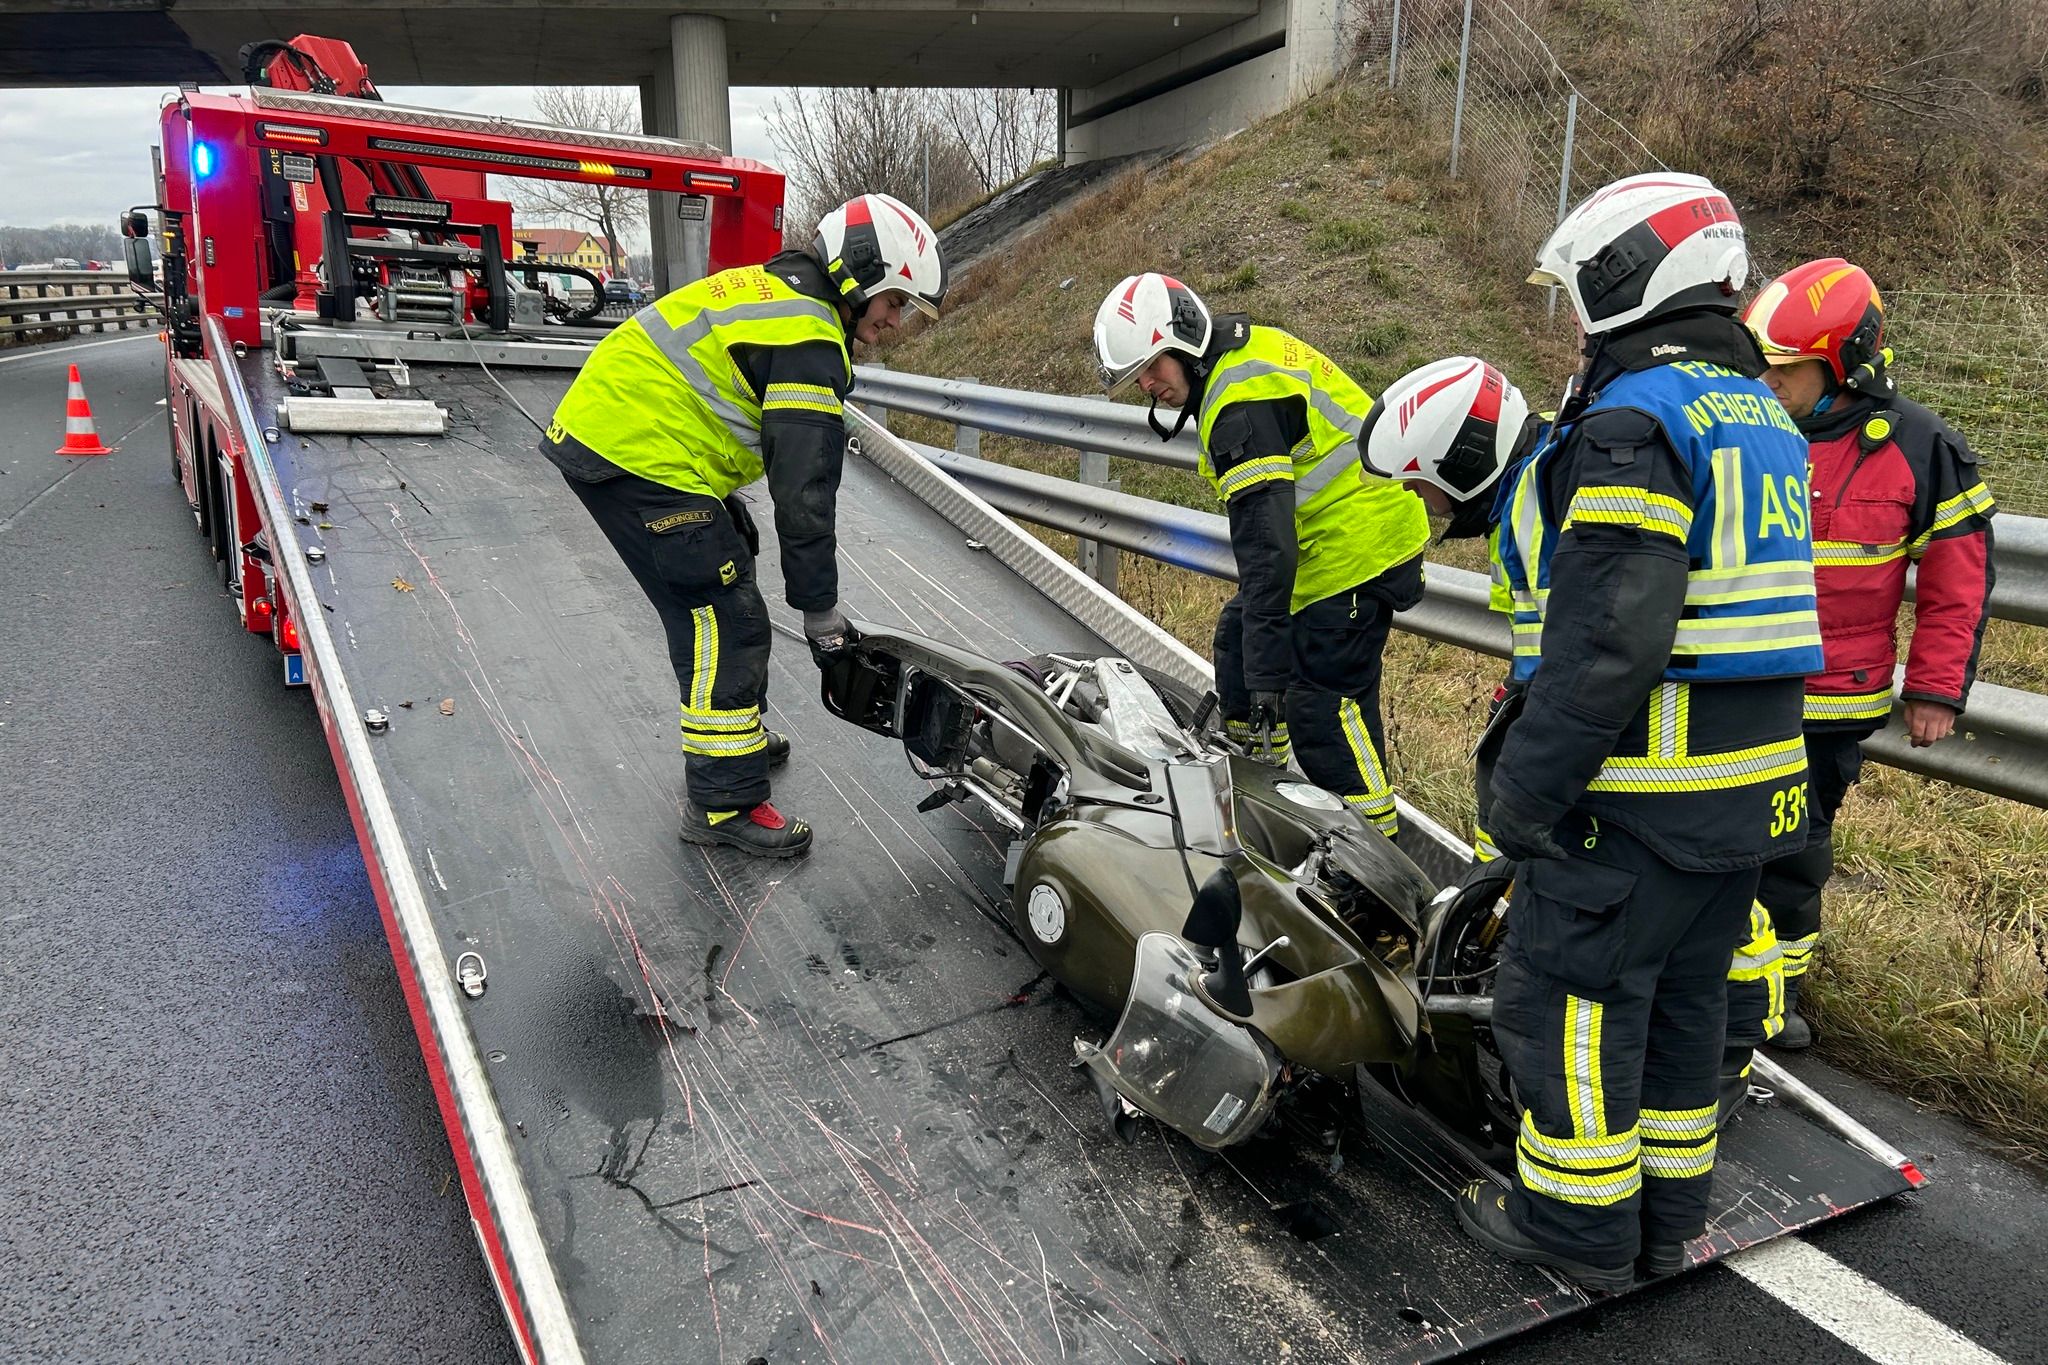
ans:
(1529, 143)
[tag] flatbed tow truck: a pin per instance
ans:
(705, 1108)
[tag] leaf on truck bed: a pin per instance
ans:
(401, 585)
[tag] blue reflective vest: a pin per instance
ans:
(1749, 598)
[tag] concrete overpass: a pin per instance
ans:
(1136, 73)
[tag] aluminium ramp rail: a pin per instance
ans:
(714, 1109)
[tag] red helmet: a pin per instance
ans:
(1823, 310)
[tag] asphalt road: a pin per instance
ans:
(222, 1143)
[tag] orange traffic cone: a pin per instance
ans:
(79, 436)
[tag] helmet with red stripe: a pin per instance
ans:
(1645, 246)
(1144, 316)
(1824, 310)
(1453, 423)
(875, 243)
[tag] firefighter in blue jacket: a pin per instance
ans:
(1650, 759)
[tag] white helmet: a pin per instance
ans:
(1646, 245)
(1143, 316)
(1453, 422)
(874, 243)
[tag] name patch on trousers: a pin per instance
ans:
(698, 517)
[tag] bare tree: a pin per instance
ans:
(608, 208)
(1004, 131)
(840, 142)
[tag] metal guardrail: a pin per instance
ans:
(2001, 746)
(72, 300)
(1091, 424)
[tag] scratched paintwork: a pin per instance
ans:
(822, 1111)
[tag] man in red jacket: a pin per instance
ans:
(1891, 485)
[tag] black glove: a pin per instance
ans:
(830, 634)
(743, 522)
(1268, 716)
(1520, 836)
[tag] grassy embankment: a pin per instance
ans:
(1327, 221)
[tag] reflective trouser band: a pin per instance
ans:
(1483, 848)
(1596, 1171)
(1240, 732)
(1760, 960)
(1584, 1091)
(1703, 772)
(1677, 1143)
(1377, 800)
(1875, 705)
(724, 733)
(1798, 953)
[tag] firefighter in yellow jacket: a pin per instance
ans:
(1323, 560)
(697, 395)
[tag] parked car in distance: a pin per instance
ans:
(623, 291)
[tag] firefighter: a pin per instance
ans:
(1323, 561)
(1893, 485)
(694, 397)
(1657, 550)
(1461, 426)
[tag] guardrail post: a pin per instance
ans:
(881, 413)
(1097, 560)
(1458, 107)
(1564, 180)
(967, 439)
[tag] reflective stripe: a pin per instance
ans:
(1593, 1171)
(1670, 718)
(704, 660)
(1677, 1124)
(1798, 951)
(1582, 1021)
(1747, 583)
(810, 397)
(1849, 705)
(1703, 772)
(733, 747)
(1678, 1163)
(1331, 465)
(1678, 1143)
(1252, 472)
(1624, 506)
(1578, 1153)
(1971, 502)
(1855, 554)
(1744, 634)
(1731, 544)
(1378, 798)
(1483, 849)
(740, 718)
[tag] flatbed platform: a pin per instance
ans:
(711, 1109)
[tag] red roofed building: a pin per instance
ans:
(569, 246)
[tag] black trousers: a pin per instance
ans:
(1333, 697)
(696, 566)
(1763, 984)
(1609, 1012)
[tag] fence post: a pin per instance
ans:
(1394, 47)
(1564, 180)
(1097, 560)
(967, 439)
(1458, 108)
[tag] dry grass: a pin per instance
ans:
(1935, 974)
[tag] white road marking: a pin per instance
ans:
(1863, 1313)
(39, 352)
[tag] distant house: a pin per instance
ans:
(566, 246)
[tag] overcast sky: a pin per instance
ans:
(82, 156)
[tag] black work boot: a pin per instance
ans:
(1734, 1083)
(1483, 1212)
(1660, 1259)
(1797, 1035)
(762, 831)
(778, 749)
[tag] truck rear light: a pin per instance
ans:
(260, 614)
(288, 637)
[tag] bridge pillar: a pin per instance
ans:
(690, 98)
(658, 119)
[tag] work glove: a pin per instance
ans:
(1268, 721)
(1520, 836)
(829, 633)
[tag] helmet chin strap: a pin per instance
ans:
(1159, 427)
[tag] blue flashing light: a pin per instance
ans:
(202, 160)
